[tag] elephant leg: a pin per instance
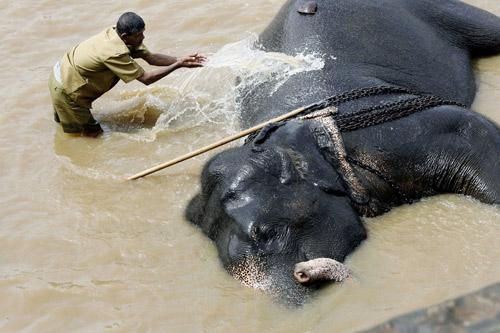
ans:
(464, 158)
(472, 28)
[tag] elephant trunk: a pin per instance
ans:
(321, 269)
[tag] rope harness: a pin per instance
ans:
(331, 124)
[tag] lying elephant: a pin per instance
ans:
(284, 209)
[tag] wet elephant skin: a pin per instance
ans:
(278, 201)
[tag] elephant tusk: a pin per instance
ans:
(321, 269)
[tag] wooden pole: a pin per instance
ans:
(219, 143)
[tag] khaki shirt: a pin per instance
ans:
(97, 64)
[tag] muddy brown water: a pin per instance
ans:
(81, 250)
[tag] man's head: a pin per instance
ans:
(130, 27)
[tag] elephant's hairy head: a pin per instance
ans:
(271, 206)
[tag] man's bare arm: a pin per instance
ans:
(150, 77)
(157, 59)
(191, 61)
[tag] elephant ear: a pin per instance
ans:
(264, 133)
(330, 183)
(274, 161)
(318, 172)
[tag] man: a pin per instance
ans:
(93, 67)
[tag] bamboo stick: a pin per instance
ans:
(219, 143)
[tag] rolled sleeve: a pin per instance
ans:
(124, 67)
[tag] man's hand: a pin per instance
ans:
(191, 61)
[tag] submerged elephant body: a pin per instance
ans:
(285, 198)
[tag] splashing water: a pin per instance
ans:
(206, 96)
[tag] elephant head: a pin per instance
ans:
(278, 212)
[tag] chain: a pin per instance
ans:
(388, 112)
(343, 98)
(357, 94)
(326, 113)
(373, 115)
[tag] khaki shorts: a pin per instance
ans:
(73, 117)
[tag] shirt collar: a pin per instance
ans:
(113, 37)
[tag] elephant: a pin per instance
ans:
(285, 209)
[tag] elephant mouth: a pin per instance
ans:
(251, 273)
(320, 270)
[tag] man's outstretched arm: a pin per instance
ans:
(191, 61)
(157, 59)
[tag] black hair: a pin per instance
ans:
(129, 23)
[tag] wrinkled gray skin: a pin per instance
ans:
(277, 202)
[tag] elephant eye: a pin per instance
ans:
(256, 232)
(228, 196)
(263, 234)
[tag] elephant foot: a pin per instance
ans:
(321, 269)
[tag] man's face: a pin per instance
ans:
(135, 39)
